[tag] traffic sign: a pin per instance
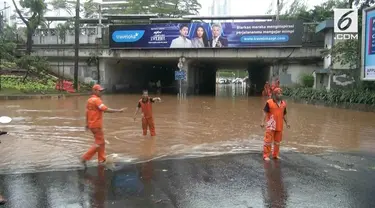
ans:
(179, 75)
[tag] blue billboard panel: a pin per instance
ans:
(207, 35)
(179, 75)
(368, 54)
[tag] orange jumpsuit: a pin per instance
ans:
(274, 127)
(94, 115)
(267, 90)
(275, 84)
(147, 119)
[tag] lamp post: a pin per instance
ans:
(76, 45)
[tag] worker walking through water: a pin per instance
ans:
(273, 119)
(145, 104)
(94, 122)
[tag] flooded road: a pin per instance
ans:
(49, 134)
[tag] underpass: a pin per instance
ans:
(130, 67)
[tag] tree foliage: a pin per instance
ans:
(31, 13)
(297, 9)
(65, 5)
(346, 53)
(90, 9)
(8, 45)
(166, 8)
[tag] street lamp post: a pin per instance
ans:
(76, 45)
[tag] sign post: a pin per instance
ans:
(180, 75)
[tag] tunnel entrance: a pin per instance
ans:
(135, 76)
(259, 73)
(231, 82)
(204, 77)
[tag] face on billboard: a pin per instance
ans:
(184, 31)
(200, 32)
(216, 31)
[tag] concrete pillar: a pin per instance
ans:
(103, 74)
(102, 64)
(329, 81)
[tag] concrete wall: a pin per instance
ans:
(298, 70)
(268, 54)
(122, 75)
(328, 43)
(51, 36)
(66, 69)
(290, 74)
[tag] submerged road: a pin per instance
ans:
(226, 181)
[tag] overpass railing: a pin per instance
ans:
(89, 35)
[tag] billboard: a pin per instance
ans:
(368, 44)
(207, 35)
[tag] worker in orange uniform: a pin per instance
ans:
(275, 84)
(94, 122)
(267, 90)
(273, 119)
(2, 200)
(145, 103)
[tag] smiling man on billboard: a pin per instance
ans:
(182, 41)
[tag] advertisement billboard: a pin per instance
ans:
(207, 35)
(368, 44)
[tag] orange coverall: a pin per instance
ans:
(147, 119)
(94, 114)
(267, 90)
(274, 127)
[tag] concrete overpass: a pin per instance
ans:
(131, 67)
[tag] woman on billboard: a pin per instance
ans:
(200, 40)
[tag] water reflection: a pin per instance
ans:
(231, 90)
(276, 195)
(99, 184)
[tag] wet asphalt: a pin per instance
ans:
(238, 181)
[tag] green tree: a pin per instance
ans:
(8, 45)
(58, 5)
(163, 8)
(90, 9)
(35, 9)
(62, 29)
(298, 9)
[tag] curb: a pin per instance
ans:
(53, 96)
(348, 106)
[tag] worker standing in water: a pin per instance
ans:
(94, 122)
(273, 119)
(267, 90)
(145, 104)
(2, 200)
(275, 84)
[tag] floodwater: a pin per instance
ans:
(49, 134)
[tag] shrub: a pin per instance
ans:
(307, 80)
(333, 96)
(30, 85)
